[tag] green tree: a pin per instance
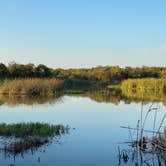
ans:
(43, 71)
(3, 71)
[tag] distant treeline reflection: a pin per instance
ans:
(106, 96)
(128, 97)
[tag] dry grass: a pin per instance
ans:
(30, 87)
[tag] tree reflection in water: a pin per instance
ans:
(104, 95)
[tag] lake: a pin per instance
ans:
(95, 129)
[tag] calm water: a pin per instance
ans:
(95, 132)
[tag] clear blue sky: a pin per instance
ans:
(83, 33)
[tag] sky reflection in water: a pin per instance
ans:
(97, 129)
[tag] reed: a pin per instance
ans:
(31, 87)
(143, 141)
(144, 85)
(149, 88)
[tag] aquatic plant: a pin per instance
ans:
(149, 89)
(25, 136)
(146, 146)
(144, 85)
(30, 129)
(31, 87)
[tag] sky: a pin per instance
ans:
(83, 33)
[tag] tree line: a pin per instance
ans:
(103, 75)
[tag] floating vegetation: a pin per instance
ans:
(21, 137)
(147, 147)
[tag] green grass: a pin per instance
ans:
(71, 91)
(22, 130)
(31, 87)
(113, 87)
(143, 85)
(148, 89)
(27, 136)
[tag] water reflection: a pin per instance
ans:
(145, 147)
(116, 96)
(19, 100)
(20, 139)
(103, 96)
(15, 149)
(97, 134)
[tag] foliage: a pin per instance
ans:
(3, 71)
(98, 76)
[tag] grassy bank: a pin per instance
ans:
(31, 87)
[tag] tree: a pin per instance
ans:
(43, 71)
(3, 71)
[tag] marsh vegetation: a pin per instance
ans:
(100, 76)
(30, 87)
(21, 137)
(146, 147)
(144, 85)
(31, 80)
(144, 89)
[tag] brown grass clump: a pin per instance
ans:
(31, 87)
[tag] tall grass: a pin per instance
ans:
(142, 85)
(149, 88)
(31, 87)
